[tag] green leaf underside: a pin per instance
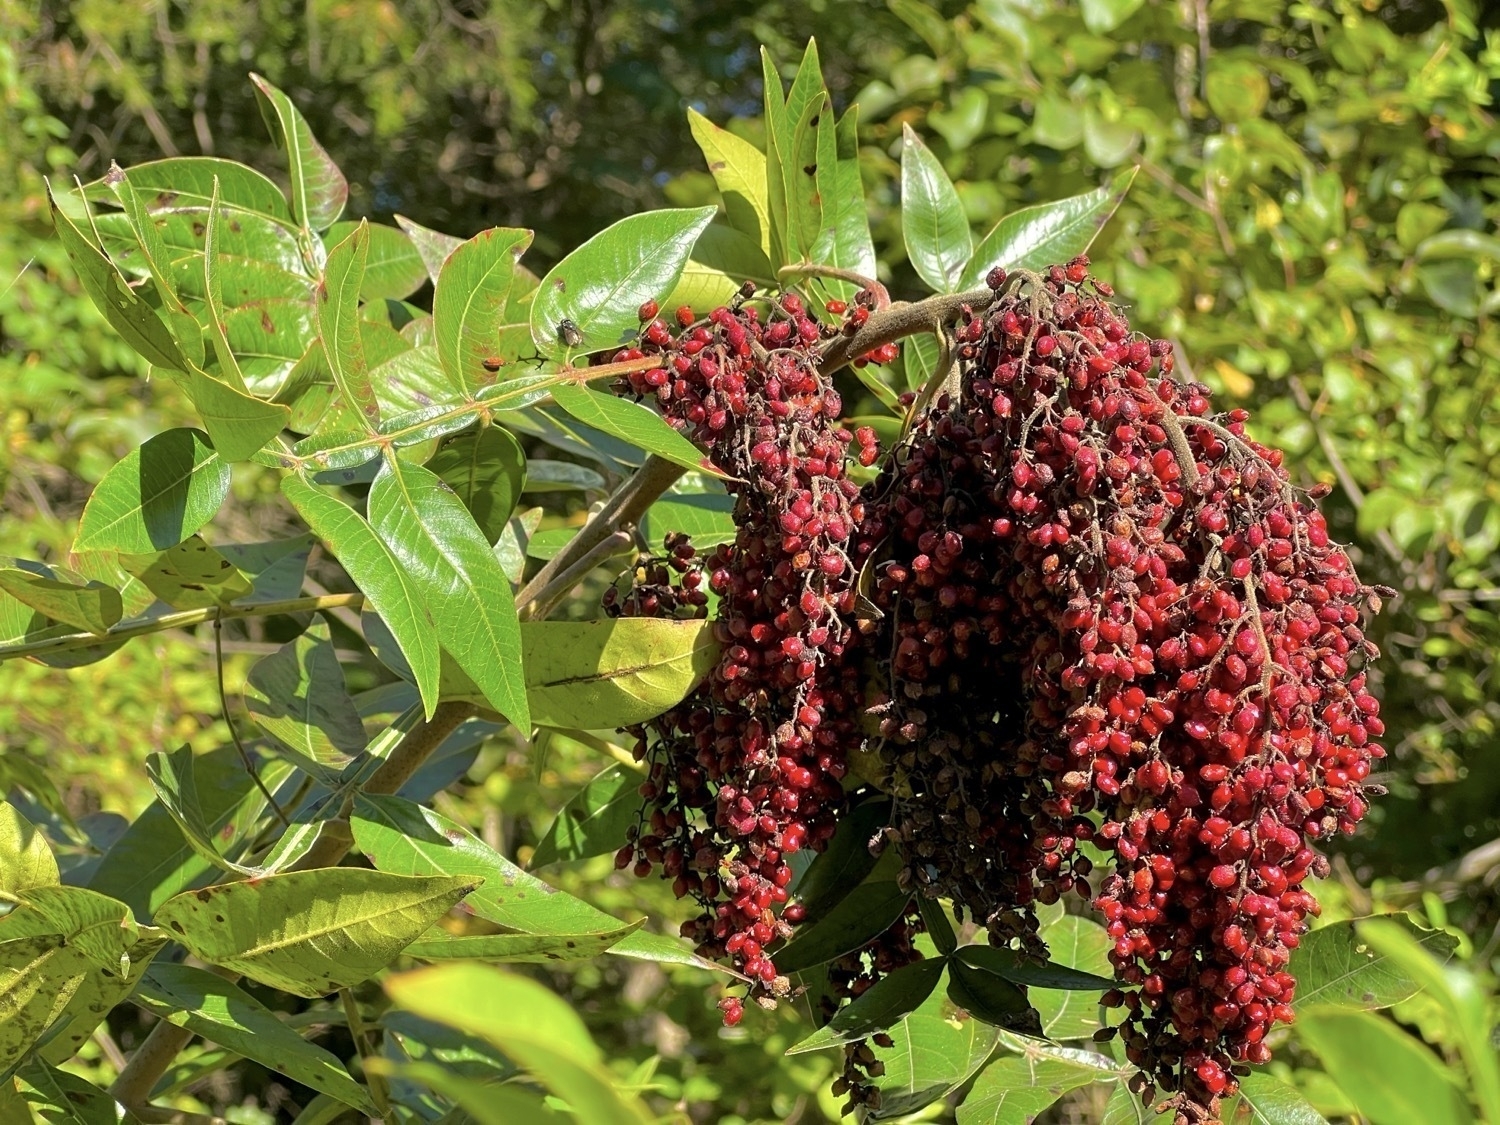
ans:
(538, 948)
(594, 820)
(895, 995)
(1335, 967)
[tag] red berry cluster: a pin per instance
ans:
(1109, 616)
(669, 585)
(746, 771)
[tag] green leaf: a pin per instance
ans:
(486, 469)
(92, 607)
(775, 124)
(937, 1048)
(1005, 963)
(297, 695)
(845, 862)
(188, 181)
(276, 568)
(319, 190)
(310, 932)
(844, 240)
(933, 223)
(213, 292)
(1124, 1108)
(223, 1013)
(1336, 967)
(939, 928)
(379, 574)
(487, 1103)
(527, 1022)
(629, 421)
(104, 989)
(469, 305)
(25, 858)
(592, 675)
(865, 912)
(458, 579)
(174, 777)
(1074, 943)
(723, 259)
(39, 974)
(799, 168)
(58, 1097)
(1103, 16)
(156, 497)
(339, 324)
(739, 170)
(433, 247)
(708, 517)
(991, 998)
(1047, 234)
(538, 948)
(398, 835)
(191, 575)
(594, 820)
(1262, 1100)
(1392, 1077)
(600, 286)
(393, 268)
(1012, 1091)
(125, 310)
(153, 861)
(895, 995)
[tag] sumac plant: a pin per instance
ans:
(938, 629)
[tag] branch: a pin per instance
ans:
(905, 319)
(140, 627)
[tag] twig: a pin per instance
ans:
(558, 588)
(900, 320)
(379, 1091)
(810, 269)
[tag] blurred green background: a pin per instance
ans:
(1314, 223)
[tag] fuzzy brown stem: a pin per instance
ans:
(901, 320)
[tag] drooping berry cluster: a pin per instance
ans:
(1107, 615)
(746, 771)
(669, 585)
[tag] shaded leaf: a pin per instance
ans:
(1262, 1100)
(1391, 1077)
(393, 268)
(487, 1103)
(433, 247)
(866, 911)
(59, 1097)
(297, 695)
(895, 995)
(991, 998)
(1005, 963)
(92, 607)
(538, 948)
(156, 497)
(632, 422)
(705, 516)
(486, 469)
(594, 820)
(224, 1013)
(1334, 966)
(845, 862)
(191, 575)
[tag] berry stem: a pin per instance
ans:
(899, 320)
(810, 269)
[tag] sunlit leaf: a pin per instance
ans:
(156, 497)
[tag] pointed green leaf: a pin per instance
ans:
(844, 239)
(600, 287)
(865, 912)
(551, 1041)
(310, 932)
(191, 575)
(379, 574)
(127, 312)
(102, 990)
(393, 268)
(1047, 234)
(629, 421)
(468, 307)
(739, 170)
(225, 1014)
(319, 190)
(174, 777)
(845, 862)
(933, 222)
(487, 471)
(398, 835)
(991, 998)
(93, 607)
(25, 858)
(708, 517)
(775, 123)
(799, 168)
(1336, 967)
(38, 976)
(213, 295)
(297, 695)
(1262, 1100)
(100, 927)
(1124, 1108)
(457, 577)
(895, 995)
(156, 497)
(723, 259)
(339, 324)
(594, 820)
(537, 948)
